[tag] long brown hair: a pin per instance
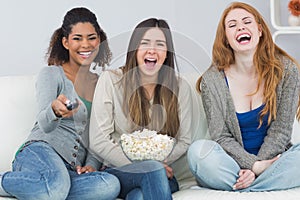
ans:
(136, 106)
(266, 59)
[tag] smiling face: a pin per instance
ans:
(151, 53)
(242, 30)
(83, 44)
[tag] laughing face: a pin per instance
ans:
(151, 53)
(242, 30)
(82, 43)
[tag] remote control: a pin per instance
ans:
(72, 104)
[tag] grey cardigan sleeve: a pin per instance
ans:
(93, 161)
(47, 87)
(279, 133)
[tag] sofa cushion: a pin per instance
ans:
(197, 193)
(17, 115)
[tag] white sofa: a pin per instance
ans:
(17, 116)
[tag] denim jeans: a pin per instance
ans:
(144, 180)
(214, 168)
(40, 173)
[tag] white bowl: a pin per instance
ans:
(147, 145)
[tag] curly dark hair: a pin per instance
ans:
(57, 54)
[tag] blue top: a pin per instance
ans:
(252, 136)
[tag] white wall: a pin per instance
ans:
(26, 28)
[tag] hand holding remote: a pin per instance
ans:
(63, 107)
(72, 104)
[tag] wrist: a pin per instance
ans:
(255, 168)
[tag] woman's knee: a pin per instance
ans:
(135, 194)
(204, 158)
(50, 185)
(211, 165)
(148, 166)
(106, 186)
(200, 151)
(152, 164)
(100, 185)
(58, 184)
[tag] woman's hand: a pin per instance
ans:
(246, 178)
(85, 169)
(59, 107)
(260, 166)
(169, 171)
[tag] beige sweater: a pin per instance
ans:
(108, 121)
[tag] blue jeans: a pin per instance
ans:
(40, 173)
(214, 168)
(144, 180)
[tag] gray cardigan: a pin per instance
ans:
(223, 123)
(68, 136)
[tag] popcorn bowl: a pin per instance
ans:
(147, 145)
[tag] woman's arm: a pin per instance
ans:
(47, 90)
(92, 160)
(102, 123)
(280, 131)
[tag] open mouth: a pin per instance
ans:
(243, 38)
(150, 62)
(85, 54)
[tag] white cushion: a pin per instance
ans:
(17, 116)
(207, 194)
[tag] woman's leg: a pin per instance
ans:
(173, 183)
(212, 166)
(147, 176)
(3, 193)
(135, 194)
(138, 194)
(282, 174)
(38, 173)
(93, 185)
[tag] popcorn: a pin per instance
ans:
(146, 145)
